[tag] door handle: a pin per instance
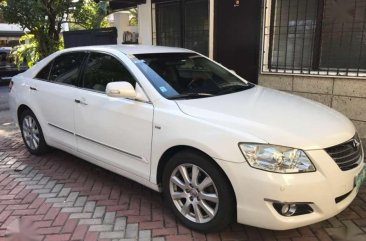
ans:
(32, 88)
(80, 102)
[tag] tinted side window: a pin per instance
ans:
(66, 68)
(102, 69)
(45, 72)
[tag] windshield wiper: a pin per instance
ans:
(234, 88)
(190, 96)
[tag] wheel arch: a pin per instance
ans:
(164, 159)
(20, 110)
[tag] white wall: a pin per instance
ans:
(145, 23)
(120, 20)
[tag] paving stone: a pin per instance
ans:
(145, 235)
(111, 235)
(158, 239)
(50, 184)
(90, 221)
(63, 204)
(72, 197)
(64, 192)
(89, 207)
(47, 195)
(55, 200)
(99, 212)
(132, 230)
(80, 215)
(72, 210)
(57, 188)
(120, 224)
(44, 180)
(78, 201)
(109, 217)
(102, 227)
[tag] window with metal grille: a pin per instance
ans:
(183, 23)
(168, 24)
(326, 37)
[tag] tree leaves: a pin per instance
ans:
(43, 19)
(91, 15)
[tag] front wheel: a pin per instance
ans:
(198, 192)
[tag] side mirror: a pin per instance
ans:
(120, 89)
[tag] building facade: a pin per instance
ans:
(312, 48)
(317, 49)
(10, 34)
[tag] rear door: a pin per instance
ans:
(115, 131)
(53, 93)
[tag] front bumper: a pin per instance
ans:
(254, 190)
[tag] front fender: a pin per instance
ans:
(174, 128)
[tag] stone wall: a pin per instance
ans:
(346, 95)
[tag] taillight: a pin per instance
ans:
(10, 85)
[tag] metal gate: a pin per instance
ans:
(183, 23)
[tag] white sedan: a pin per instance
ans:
(219, 148)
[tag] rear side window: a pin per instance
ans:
(66, 68)
(102, 69)
(44, 74)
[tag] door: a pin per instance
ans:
(237, 36)
(183, 23)
(115, 131)
(53, 92)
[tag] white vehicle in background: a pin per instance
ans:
(218, 147)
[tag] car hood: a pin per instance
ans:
(275, 117)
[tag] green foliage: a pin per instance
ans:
(26, 51)
(134, 17)
(43, 19)
(91, 15)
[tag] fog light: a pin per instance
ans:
(292, 209)
(288, 209)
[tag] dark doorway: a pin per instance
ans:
(183, 23)
(237, 36)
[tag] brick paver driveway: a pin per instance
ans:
(65, 198)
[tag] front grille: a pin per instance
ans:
(348, 154)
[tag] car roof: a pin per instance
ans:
(132, 49)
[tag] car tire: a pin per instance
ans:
(205, 205)
(32, 133)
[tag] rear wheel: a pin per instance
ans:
(32, 133)
(198, 192)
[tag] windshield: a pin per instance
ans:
(188, 75)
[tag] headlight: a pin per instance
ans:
(276, 158)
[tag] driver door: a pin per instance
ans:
(115, 131)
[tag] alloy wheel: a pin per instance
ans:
(194, 193)
(31, 132)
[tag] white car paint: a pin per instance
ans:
(276, 117)
(146, 129)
